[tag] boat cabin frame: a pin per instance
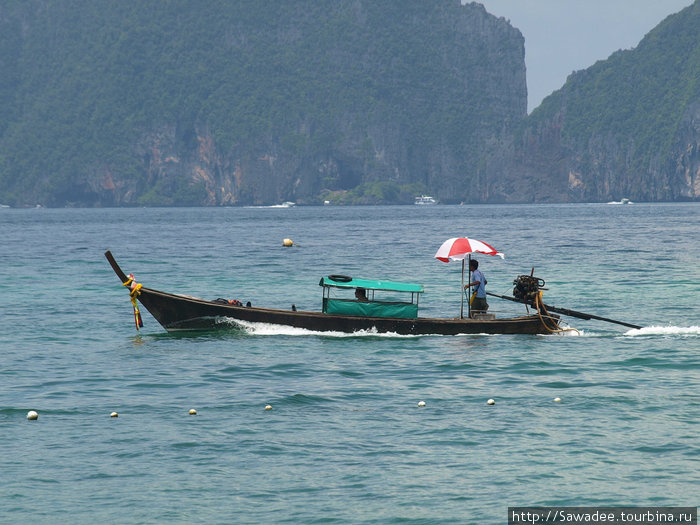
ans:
(402, 300)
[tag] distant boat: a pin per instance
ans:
(622, 201)
(287, 204)
(424, 200)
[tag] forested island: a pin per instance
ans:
(352, 102)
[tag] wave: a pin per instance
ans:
(252, 328)
(647, 331)
(665, 330)
(276, 329)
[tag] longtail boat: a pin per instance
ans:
(385, 307)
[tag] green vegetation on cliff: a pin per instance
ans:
(393, 91)
(640, 92)
(625, 124)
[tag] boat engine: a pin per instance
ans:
(526, 288)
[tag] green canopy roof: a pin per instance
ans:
(372, 285)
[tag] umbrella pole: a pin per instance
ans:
(461, 304)
(469, 303)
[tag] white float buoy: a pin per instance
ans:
(557, 400)
(32, 415)
(193, 412)
(421, 403)
(287, 242)
(114, 414)
(490, 402)
(268, 407)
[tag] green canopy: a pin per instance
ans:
(392, 286)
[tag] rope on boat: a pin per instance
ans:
(134, 292)
(541, 308)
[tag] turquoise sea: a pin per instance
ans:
(345, 440)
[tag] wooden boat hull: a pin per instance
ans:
(177, 312)
(180, 312)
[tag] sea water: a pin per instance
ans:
(345, 440)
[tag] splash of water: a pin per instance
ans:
(665, 330)
(276, 329)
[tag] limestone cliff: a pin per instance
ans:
(243, 102)
(252, 102)
(627, 127)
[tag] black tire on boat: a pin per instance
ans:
(340, 278)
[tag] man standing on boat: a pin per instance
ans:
(478, 300)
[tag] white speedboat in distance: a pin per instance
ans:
(425, 199)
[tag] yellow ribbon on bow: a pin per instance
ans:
(134, 292)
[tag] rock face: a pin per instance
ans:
(548, 168)
(685, 159)
(258, 102)
(627, 127)
(439, 83)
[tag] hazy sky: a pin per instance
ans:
(562, 36)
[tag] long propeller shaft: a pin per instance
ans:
(571, 313)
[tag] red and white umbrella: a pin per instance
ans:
(461, 248)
